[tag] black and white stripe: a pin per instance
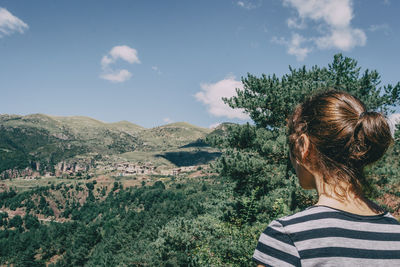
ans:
(324, 236)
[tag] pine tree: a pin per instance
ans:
(255, 157)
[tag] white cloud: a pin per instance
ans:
(296, 23)
(10, 23)
(385, 28)
(214, 125)
(336, 13)
(240, 3)
(124, 53)
(249, 4)
(294, 46)
(342, 38)
(212, 93)
(393, 120)
(334, 18)
(167, 120)
(117, 76)
(156, 69)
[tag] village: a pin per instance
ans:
(127, 169)
(79, 169)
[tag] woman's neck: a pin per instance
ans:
(356, 205)
(345, 200)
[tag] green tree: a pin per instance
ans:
(255, 157)
(16, 222)
(31, 221)
(269, 100)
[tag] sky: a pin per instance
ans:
(157, 62)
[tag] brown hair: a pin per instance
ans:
(343, 134)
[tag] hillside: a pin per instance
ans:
(171, 135)
(43, 143)
(40, 141)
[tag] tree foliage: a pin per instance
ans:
(256, 157)
(269, 99)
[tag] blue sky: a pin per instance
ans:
(155, 62)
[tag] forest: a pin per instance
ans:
(206, 221)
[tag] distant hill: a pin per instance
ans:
(126, 126)
(171, 135)
(40, 141)
(27, 140)
(221, 129)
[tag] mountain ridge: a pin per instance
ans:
(41, 142)
(73, 118)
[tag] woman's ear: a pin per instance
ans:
(305, 146)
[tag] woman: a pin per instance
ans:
(332, 137)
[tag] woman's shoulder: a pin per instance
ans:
(308, 235)
(318, 215)
(309, 213)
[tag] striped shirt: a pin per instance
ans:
(324, 236)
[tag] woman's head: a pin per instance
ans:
(341, 135)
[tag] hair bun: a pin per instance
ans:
(370, 140)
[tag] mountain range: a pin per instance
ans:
(40, 142)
